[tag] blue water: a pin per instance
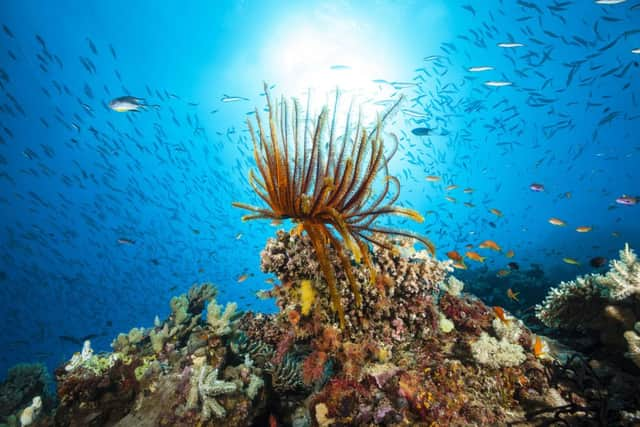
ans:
(75, 176)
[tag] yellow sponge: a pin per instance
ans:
(307, 296)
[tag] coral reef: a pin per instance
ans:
(411, 354)
(607, 304)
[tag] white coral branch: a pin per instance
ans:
(623, 278)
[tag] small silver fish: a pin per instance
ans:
(494, 83)
(227, 98)
(510, 45)
(480, 69)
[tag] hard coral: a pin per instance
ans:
(573, 304)
(623, 278)
(403, 289)
(330, 195)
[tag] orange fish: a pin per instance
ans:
(495, 211)
(557, 221)
(272, 421)
(450, 199)
(454, 255)
(242, 277)
(510, 253)
(584, 229)
(474, 256)
(513, 295)
(276, 222)
(490, 244)
(451, 187)
(503, 273)
(433, 178)
(538, 347)
(500, 314)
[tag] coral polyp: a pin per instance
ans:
(330, 194)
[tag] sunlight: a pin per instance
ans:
(327, 52)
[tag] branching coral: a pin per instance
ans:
(623, 278)
(209, 387)
(221, 323)
(329, 194)
(572, 304)
(608, 304)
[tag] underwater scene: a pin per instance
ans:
(320, 213)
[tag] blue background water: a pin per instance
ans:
(76, 178)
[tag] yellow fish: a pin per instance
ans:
(503, 273)
(495, 211)
(475, 256)
(433, 178)
(510, 253)
(584, 229)
(572, 261)
(557, 221)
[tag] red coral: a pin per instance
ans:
(313, 367)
